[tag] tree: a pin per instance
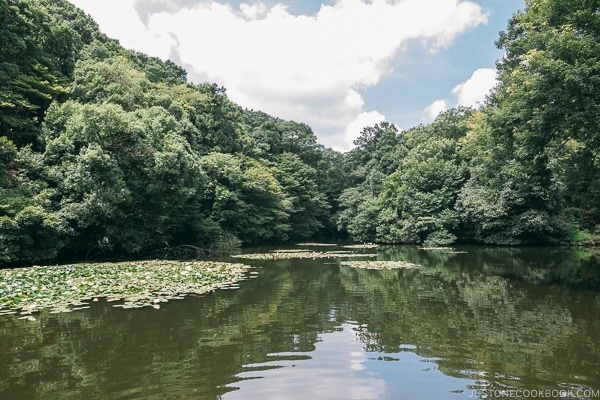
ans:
(30, 228)
(375, 147)
(29, 80)
(367, 166)
(418, 199)
(114, 80)
(309, 208)
(538, 142)
(245, 199)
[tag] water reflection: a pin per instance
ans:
(336, 369)
(467, 321)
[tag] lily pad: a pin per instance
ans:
(316, 244)
(449, 250)
(362, 246)
(301, 255)
(64, 288)
(380, 264)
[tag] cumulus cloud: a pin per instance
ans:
(471, 93)
(308, 68)
(435, 108)
(119, 19)
(344, 140)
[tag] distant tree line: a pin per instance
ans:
(106, 150)
(525, 169)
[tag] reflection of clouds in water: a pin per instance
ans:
(328, 372)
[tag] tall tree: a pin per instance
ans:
(368, 164)
(309, 209)
(538, 143)
(28, 78)
(418, 202)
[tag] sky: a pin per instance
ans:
(336, 65)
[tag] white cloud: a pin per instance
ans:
(119, 20)
(299, 67)
(472, 93)
(337, 356)
(344, 141)
(435, 108)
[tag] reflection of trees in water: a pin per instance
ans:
(572, 266)
(472, 319)
(480, 311)
(192, 348)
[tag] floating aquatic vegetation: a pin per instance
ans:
(362, 246)
(281, 255)
(288, 251)
(450, 250)
(317, 244)
(65, 288)
(380, 264)
(286, 255)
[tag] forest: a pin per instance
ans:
(109, 152)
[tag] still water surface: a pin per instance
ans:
(480, 323)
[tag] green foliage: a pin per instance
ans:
(245, 198)
(420, 196)
(110, 150)
(27, 81)
(31, 234)
(533, 151)
(308, 206)
(408, 188)
(358, 214)
(273, 136)
(332, 178)
(39, 44)
(368, 165)
(125, 178)
(507, 174)
(113, 81)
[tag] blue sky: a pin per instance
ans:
(337, 65)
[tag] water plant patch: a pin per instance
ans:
(379, 264)
(65, 288)
(286, 255)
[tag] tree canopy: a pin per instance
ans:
(110, 151)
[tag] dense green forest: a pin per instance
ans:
(109, 151)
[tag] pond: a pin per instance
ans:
(471, 322)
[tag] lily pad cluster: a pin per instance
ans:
(362, 246)
(380, 264)
(450, 250)
(65, 288)
(287, 254)
(317, 244)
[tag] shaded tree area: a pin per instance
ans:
(522, 170)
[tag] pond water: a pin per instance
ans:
(490, 323)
